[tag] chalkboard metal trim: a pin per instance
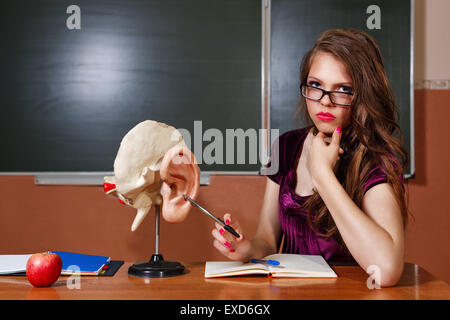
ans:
(266, 13)
(71, 178)
(230, 173)
(96, 178)
(412, 130)
(85, 178)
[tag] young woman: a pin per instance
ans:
(339, 191)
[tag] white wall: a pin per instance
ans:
(432, 41)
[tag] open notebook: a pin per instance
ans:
(13, 263)
(291, 265)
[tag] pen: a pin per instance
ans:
(219, 221)
(270, 262)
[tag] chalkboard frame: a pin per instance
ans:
(96, 178)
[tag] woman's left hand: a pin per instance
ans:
(322, 157)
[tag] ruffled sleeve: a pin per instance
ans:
(376, 175)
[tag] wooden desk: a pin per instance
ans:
(416, 283)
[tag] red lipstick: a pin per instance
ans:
(325, 116)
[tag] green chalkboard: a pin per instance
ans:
(295, 26)
(69, 95)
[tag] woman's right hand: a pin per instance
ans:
(230, 246)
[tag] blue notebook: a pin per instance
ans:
(86, 264)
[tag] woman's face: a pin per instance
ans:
(328, 73)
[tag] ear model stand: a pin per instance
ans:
(156, 267)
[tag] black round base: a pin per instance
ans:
(156, 268)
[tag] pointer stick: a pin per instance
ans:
(219, 221)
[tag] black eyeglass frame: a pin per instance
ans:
(325, 92)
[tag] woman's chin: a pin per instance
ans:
(326, 128)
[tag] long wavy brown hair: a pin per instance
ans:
(373, 137)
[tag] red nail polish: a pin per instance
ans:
(221, 231)
(227, 244)
(338, 129)
(227, 221)
(232, 250)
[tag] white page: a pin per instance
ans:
(11, 263)
(215, 267)
(306, 263)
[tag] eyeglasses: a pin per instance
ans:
(336, 97)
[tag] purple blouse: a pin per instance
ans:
(299, 238)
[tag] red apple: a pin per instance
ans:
(43, 269)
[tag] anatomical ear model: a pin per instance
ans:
(153, 167)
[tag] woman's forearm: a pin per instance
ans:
(368, 242)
